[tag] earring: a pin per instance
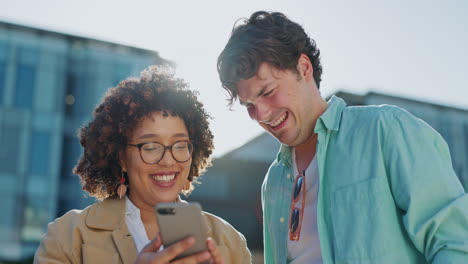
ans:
(122, 187)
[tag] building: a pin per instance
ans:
(49, 84)
(231, 188)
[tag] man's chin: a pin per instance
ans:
(289, 141)
(282, 138)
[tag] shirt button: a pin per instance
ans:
(289, 176)
(282, 219)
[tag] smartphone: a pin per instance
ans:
(179, 220)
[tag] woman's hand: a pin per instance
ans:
(216, 257)
(151, 255)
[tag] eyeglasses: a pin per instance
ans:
(153, 152)
(296, 214)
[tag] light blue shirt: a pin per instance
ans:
(388, 193)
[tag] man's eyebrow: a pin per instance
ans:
(260, 93)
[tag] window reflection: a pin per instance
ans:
(2, 81)
(3, 59)
(24, 88)
(9, 140)
(34, 218)
(40, 149)
(26, 68)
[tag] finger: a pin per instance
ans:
(176, 249)
(215, 254)
(153, 245)
(194, 259)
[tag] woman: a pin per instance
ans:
(149, 140)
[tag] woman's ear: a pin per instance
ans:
(122, 160)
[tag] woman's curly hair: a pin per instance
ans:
(121, 109)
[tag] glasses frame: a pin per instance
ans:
(295, 235)
(164, 151)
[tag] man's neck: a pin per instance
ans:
(305, 152)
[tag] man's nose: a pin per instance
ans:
(260, 112)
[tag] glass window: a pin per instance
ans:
(35, 218)
(70, 93)
(9, 140)
(122, 71)
(3, 50)
(2, 81)
(464, 173)
(70, 194)
(466, 140)
(80, 92)
(24, 89)
(445, 130)
(40, 149)
(71, 153)
(8, 227)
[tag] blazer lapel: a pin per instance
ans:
(125, 245)
(110, 215)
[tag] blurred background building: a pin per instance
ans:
(49, 84)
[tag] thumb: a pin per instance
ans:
(153, 245)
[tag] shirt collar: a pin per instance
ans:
(131, 209)
(329, 120)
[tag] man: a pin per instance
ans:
(349, 184)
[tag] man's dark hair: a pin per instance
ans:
(265, 37)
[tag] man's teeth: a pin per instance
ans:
(277, 122)
(164, 178)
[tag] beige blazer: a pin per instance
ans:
(99, 234)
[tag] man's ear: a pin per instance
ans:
(304, 67)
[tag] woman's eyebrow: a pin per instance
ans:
(152, 135)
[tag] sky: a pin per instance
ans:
(416, 49)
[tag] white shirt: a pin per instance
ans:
(135, 225)
(307, 249)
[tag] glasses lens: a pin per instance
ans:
(151, 152)
(182, 151)
(294, 220)
(298, 187)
